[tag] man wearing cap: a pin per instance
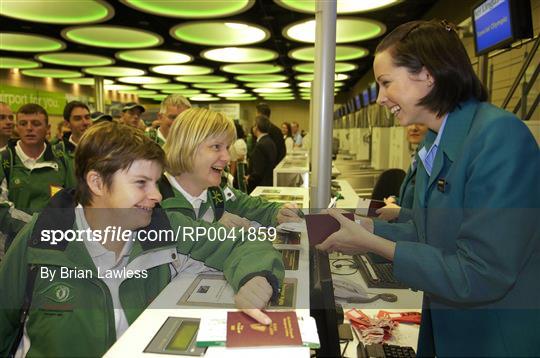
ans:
(171, 107)
(131, 114)
(77, 118)
(98, 117)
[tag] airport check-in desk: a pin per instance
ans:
(294, 169)
(174, 301)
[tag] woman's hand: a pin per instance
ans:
(388, 212)
(353, 238)
(288, 213)
(253, 297)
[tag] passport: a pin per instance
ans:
(320, 226)
(244, 331)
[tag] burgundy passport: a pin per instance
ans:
(320, 226)
(244, 331)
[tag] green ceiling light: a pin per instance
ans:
(251, 68)
(272, 90)
(116, 87)
(165, 86)
(228, 91)
(201, 79)
(185, 92)
(267, 85)
(58, 12)
(308, 84)
(85, 81)
(309, 77)
(343, 53)
(203, 98)
(142, 80)
(191, 9)
(349, 29)
(261, 78)
(215, 85)
(310, 67)
(343, 6)
(239, 54)
(179, 70)
(51, 72)
(219, 33)
(12, 62)
(278, 98)
(75, 59)
(159, 97)
(21, 42)
(234, 99)
(117, 37)
(234, 95)
(139, 92)
(114, 71)
(154, 57)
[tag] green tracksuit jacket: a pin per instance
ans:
(73, 317)
(30, 190)
(234, 201)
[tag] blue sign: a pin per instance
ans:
(493, 24)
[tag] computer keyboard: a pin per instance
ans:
(376, 274)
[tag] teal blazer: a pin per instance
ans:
(473, 246)
(406, 195)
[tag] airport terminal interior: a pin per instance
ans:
(261, 65)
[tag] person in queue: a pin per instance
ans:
(197, 152)
(473, 244)
(132, 114)
(111, 282)
(400, 208)
(170, 108)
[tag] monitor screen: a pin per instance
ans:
(373, 92)
(357, 102)
(365, 97)
(498, 23)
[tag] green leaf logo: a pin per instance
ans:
(58, 292)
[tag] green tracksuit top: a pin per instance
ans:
(152, 133)
(74, 317)
(30, 190)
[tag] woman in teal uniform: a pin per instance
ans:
(473, 244)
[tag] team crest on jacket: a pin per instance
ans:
(58, 292)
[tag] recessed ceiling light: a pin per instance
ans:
(342, 6)
(181, 70)
(228, 91)
(200, 98)
(235, 99)
(201, 79)
(17, 41)
(58, 12)
(191, 9)
(86, 81)
(214, 85)
(339, 67)
(308, 84)
(310, 77)
(117, 37)
(218, 33)
(142, 79)
(184, 92)
(234, 94)
(343, 53)
(154, 57)
(251, 68)
(13, 62)
(260, 78)
(75, 59)
(159, 97)
(113, 71)
(272, 90)
(350, 29)
(267, 84)
(165, 86)
(51, 72)
(116, 87)
(239, 54)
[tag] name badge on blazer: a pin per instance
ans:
(442, 185)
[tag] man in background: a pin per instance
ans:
(77, 119)
(296, 134)
(274, 132)
(6, 124)
(131, 114)
(263, 158)
(171, 107)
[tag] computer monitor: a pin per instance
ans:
(365, 97)
(357, 102)
(373, 92)
(322, 303)
(498, 23)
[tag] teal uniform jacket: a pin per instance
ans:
(74, 317)
(406, 195)
(30, 190)
(474, 244)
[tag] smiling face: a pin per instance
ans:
(32, 128)
(211, 158)
(134, 190)
(400, 91)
